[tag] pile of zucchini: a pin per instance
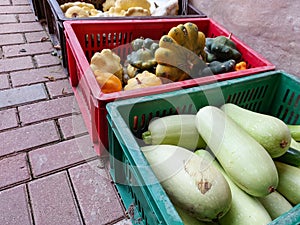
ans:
(226, 165)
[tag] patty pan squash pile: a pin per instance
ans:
(183, 53)
(116, 8)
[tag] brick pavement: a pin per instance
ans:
(50, 173)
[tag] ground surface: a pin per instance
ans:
(272, 28)
(50, 173)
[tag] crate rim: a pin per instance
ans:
(95, 90)
(112, 106)
(60, 15)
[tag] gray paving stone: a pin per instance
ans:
(52, 201)
(21, 95)
(14, 208)
(15, 64)
(27, 49)
(20, 2)
(8, 119)
(27, 137)
(48, 109)
(61, 155)
(124, 222)
(72, 126)
(5, 2)
(9, 18)
(20, 27)
(33, 76)
(59, 88)
(46, 60)
(10, 39)
(15, 9)
(4, 83)
(36, 36)
(97, 199)
(26, 18)
(14, 169)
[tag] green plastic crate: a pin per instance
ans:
(275, 93)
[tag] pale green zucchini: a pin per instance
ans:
(177, 130)
(295, 131)
(188, 219)
(190, 182)
(246, 162)
(292, 155)
(276, 204)
(295, 144)
(289, 182)
(245, 209)
(272, 133)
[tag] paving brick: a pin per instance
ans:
(27, 49)
(36, 36)
(48, 109)
(46, 60)
(37, 75)
(27, 137)
(10, 39)
(59, 88)
(8, 119)
(72, 126)
(61, 155)
(52, 201)
(5, 2)
(4, 83)
(96, 196)
(14, 169)
(21, 95)
(20, 27)
(124, 222)
(15, 64)
(26, 18)
(15, 9)
(20, 2)
(9, 18)
(14, 208)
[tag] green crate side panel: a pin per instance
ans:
(288, 99)
(145, 200)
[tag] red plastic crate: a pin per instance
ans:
(84, 38)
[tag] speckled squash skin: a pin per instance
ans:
(190, 181)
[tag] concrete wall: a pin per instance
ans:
(272, 28)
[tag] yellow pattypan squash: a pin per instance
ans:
(181, 53)
(142, 80)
